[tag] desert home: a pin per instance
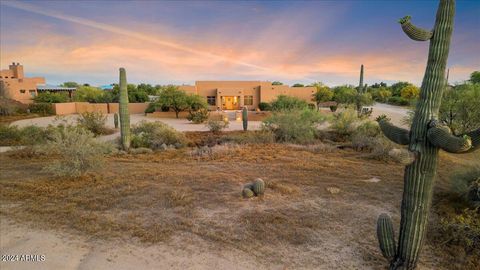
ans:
(224, 95)
(234, 95)
(14, 85)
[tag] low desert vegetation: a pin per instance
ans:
(299, 126)
(216, 126)
(95, 122)
(156, 136)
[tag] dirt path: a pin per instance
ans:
(70, 252)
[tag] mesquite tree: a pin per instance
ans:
(425, 138)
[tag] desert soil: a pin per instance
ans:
(175, 210)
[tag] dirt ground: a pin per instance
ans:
(178, 210)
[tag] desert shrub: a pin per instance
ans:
(344, 122)
(294, 126)
(466, 183)
(264, 106)
(152, 107)
(314, 148)
(288, 103)
(49, 97)
(94, 122)
(462, 229)
(76, 151)
(140, 150)
(198, 117)
(216, 125)
(398, 101)
(156, 135)
(364, 135)
(214, 152)
(251, 137)
(11, 107)
(41, 108)
(29, 135)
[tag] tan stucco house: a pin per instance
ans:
(234, 95)
(14, 85)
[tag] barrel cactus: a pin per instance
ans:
(115, 120)
(258, 186)
(123, 108)
(425, 138)
(247, 193)
(245, 118)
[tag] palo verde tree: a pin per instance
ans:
(425, 138)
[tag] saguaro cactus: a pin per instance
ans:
(115, 120)
(123, 108)
(360, 93)
(245, 118)
(424, 139)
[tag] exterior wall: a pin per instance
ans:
(133, 108)
(81, 107)
(65, 108)
(15, 86)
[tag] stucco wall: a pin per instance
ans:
(65, 108)
(133, 108)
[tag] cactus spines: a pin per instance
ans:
(123, 108)
(258, 186)
(413, 32)
(420, 175)
(442, 137)
(245, 118)
(386, 236)
(115, 120)
(247, 193)
(395, 134)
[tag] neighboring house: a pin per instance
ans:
(14, 85)
(234, 95)
(106, 87)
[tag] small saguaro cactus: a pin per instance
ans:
(115, 120)
(425, 138)
(360, 92)
(245, 118)
(123, 108)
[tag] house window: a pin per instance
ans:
(248, 100)
(22, 91)
(212, 100)
(32, 93)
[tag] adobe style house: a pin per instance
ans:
(14, 85)
(234, 95)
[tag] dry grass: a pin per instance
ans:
(151, 197)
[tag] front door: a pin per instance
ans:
(230, 103)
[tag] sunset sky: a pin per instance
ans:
(180, 42)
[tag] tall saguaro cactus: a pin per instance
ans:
(425, 138)
(123, 108)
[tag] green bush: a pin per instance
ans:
(462, 229)
(294, 126)
(198, 117)
(75, 151)
(344, 122)
(41, 108)
(152, 107)
(49, 97)
(288, 103)
(29, 135)
(156, 135)
(94, 122)
(216, 125)
(264, 106)
(400, 101)
(466, 183)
